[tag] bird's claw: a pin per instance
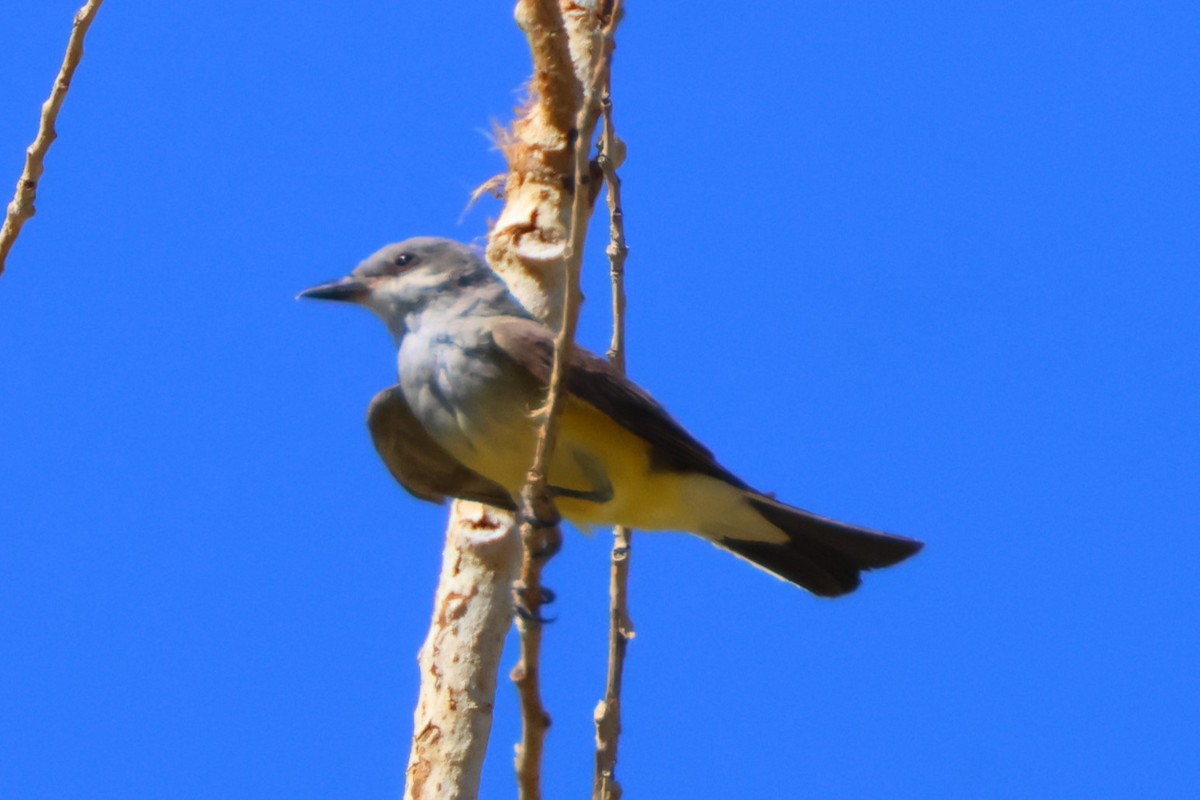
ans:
(545, 596)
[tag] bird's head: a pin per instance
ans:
(408, 277)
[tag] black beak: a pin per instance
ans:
(346, 290)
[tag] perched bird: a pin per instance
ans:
(474, 366)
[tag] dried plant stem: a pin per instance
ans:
(539, 537)
(539, 518)
(526, 244)
(538, 542)
(620, 631)
(21, 209)
(608, 710)
(461, 656)
(612, 155)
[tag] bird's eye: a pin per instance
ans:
(404, 259)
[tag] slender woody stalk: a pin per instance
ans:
(21, 209)
(620, 631)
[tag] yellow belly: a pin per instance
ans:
(642, 497)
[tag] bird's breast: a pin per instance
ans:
(471, 402)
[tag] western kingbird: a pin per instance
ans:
(474, 366)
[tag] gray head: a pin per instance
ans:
(407, 278)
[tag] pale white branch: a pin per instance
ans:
(461, 656)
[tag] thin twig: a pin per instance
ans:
(538, 516)
(22, 207)
(538, 542)
(612, 155)
(620, 631)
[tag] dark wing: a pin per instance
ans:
(592, 379)
(418, 463)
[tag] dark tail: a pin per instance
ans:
(824, 556)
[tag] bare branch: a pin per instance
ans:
(461, 656)
(612, 156)
(608, 711)
(538, 543)
(21, 209)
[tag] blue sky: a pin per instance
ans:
(930, 269)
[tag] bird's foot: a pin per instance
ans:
(547, 543)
